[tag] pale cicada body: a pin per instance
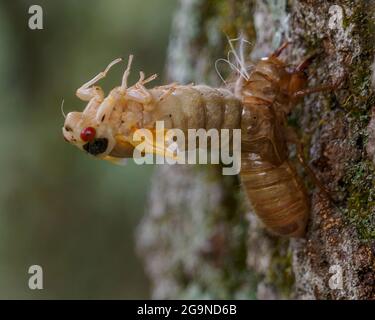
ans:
(105, 128)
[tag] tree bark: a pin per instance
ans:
(199, 237)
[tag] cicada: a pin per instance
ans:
(106, 127)
(257, 106)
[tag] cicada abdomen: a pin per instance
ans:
(194, 107)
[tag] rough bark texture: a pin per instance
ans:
(199, 238)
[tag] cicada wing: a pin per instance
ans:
(157, 143)
(122, 148)
(117, 161)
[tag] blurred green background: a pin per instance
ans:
(59, 208)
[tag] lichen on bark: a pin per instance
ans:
(200, 237)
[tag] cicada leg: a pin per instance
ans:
(322, 88)
(94, 94)
(124, 84)
(138, 92)
(279, 50)
(168, 92)
(86, 92)
(292, 138)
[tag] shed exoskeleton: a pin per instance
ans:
(276, 192)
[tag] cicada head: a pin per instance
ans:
(84, 132)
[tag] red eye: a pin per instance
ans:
(88, 134)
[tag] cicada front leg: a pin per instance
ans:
(94, 94)
(310, 90)
(322, 88)
(279, 50)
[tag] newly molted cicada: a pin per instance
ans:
(106, 127)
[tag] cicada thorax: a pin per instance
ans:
(274, 189)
